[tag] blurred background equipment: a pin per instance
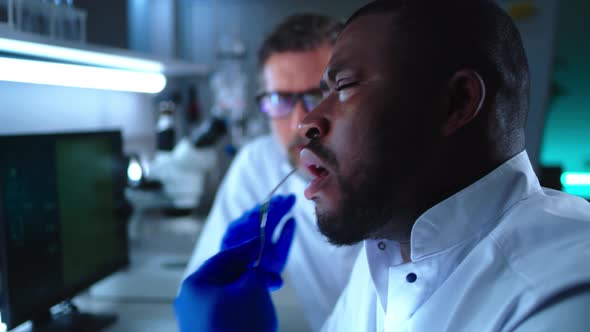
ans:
(183, 170)
(55, 19)
(193, 109)
(165, 131)
(135, 171)
(62, 225)
(522, 9)
(229, 87)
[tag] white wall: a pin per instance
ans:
(152, 27)
(31, 108)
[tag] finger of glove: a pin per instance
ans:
(228, 265)
(248, 226)
(275, 257)
(279, 206)
(242, 229)
(239, 232)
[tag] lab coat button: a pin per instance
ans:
(381, 245)
(411, 277)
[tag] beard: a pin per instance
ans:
(363, 212)
(374, 197)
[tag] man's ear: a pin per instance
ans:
(466, 91)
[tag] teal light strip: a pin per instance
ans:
(576, 183)
(575, 179)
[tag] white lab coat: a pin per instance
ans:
(486, 259)
(316, 270)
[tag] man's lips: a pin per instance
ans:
(318, 171)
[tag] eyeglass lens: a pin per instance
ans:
(282, 104)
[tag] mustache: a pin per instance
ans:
(298, 141)
(325, 154)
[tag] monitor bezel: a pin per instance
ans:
(38, 309)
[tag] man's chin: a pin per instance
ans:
(338, 231)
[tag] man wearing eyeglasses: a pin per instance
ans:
(291, 60)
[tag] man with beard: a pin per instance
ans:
(292, 60)
(417, 151)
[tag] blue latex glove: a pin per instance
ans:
(225, 294)
(275, 254)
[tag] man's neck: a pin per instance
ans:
(459, 175)
(405, 251)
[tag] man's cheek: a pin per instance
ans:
(281, 133)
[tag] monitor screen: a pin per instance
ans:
(62, 226)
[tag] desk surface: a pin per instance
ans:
(142, 295)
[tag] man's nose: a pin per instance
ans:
(299, 113)
(314, 125)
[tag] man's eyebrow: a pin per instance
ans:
(329, 76)
(332, 72)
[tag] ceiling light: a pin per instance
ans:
(61, 74)
(67, 54)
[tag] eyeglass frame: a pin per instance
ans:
(297, 96)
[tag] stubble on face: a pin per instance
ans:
(365, 207)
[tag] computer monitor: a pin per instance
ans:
(62, 219)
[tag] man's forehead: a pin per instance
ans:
(366, 41)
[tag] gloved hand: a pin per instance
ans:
(275, 254)
(226, 295)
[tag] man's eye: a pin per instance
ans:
(341, 85)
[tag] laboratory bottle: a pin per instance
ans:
(193, 111)
(165, 127)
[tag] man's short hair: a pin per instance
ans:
(298, 33)
(446, 36)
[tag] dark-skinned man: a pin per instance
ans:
(417, 151)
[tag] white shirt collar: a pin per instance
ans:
(457, 222)
(474, 209)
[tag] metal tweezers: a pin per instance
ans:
(264, 216)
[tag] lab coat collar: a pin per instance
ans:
(475, 210)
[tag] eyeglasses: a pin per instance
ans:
(280, 104)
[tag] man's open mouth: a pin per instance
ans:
(317, 170)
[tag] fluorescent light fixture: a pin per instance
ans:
(77, 55)
(575, 179)
(42, 72)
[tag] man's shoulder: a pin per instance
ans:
(547, 248)
(259, 155)
(545, 239)
(538, 251)
(265, 142)
(548, 214)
